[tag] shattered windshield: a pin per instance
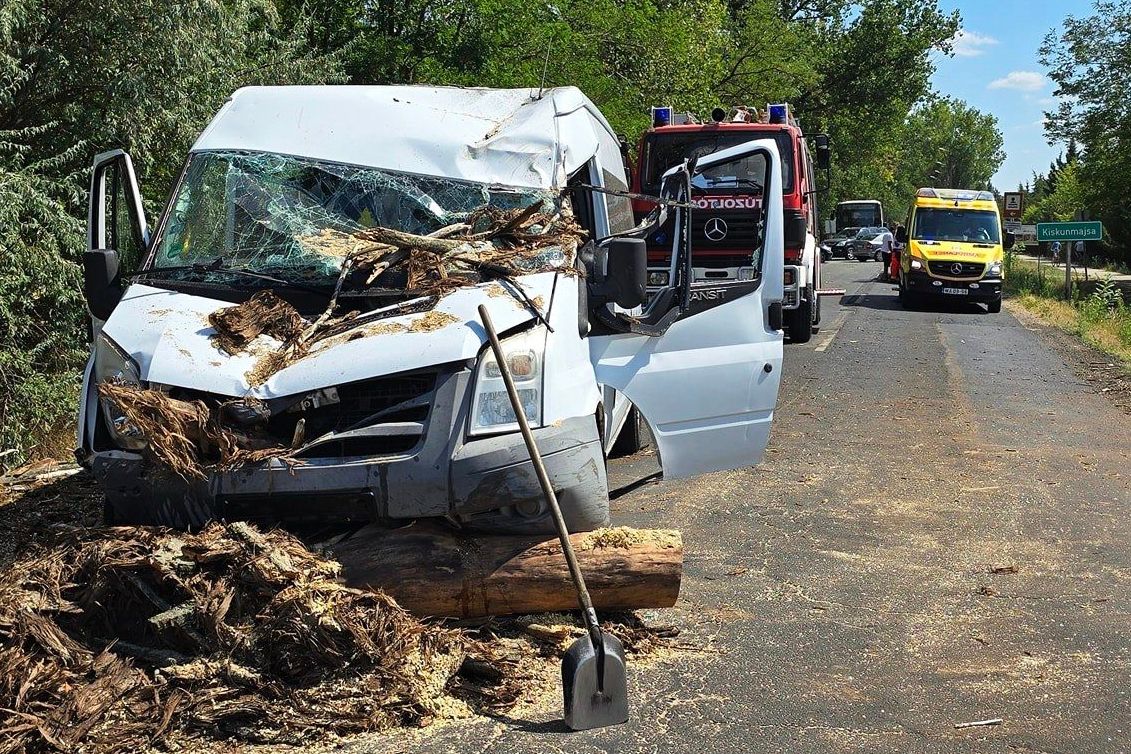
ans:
(300, 220)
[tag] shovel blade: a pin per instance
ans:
(591, 701)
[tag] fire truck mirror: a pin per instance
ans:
(823, 150)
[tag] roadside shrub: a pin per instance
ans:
(1107, 298)
(41, 324)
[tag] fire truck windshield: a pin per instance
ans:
(665, 150)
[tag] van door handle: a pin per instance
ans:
(776, 316)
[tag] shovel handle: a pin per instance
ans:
(583, 598)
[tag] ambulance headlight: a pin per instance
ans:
(491, 410)
(994, 270)
(916, 264)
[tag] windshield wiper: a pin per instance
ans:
(217, 265)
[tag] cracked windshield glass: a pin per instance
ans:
(300, 220)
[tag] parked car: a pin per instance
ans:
(840, 242)
(868, 244)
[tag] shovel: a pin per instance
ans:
(594, 683)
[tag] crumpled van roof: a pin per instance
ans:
(528, 138)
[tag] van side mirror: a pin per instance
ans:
(901, 235)
(795, 230)
(626, 274)
(824, 152)
(101, 284)
(1010, 239)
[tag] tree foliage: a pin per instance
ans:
(1089, 59)
(78, 77)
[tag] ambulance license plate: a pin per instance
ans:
(956, 291)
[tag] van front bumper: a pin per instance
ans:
(924, 284)
(487, 483)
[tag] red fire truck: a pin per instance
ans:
(724, 225)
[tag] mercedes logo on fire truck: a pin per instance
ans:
(956, 268)
(715, 229)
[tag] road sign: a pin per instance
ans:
(1013, 202)
(1086, 231)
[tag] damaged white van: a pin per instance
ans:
(296, 338)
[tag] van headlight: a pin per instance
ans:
(112, 364)
(994, 270)
(916, 264)
(491, 410)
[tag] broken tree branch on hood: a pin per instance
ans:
(491, 244)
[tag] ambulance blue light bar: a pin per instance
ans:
(661, 116)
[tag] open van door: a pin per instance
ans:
(707, 383)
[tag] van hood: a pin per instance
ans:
(168, 335)
(955, 251)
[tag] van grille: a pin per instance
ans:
(357, 402)
(947, 269)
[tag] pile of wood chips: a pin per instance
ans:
(119, 639)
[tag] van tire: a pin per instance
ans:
(800, 322)
(631, 437)
(906, 298)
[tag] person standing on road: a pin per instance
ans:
(891, 268)
(887, 243)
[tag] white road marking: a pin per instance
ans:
(830, 334)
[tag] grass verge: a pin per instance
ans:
(1101, 319)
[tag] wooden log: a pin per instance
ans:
(432, 571)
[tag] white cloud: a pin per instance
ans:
(1022, 81)
(971, 44)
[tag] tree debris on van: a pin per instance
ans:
(187, 436)
(122, 639)
(489, 244)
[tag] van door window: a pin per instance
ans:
(727, 241)
(117, 220)
(582, 201)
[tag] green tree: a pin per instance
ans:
(873, 65)
(946, 143)
(1089, 59)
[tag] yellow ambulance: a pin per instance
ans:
(952, 248)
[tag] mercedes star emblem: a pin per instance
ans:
(956, 268)
(715, 229)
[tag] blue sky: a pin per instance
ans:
(997, 69)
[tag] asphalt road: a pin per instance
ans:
(939, 534)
